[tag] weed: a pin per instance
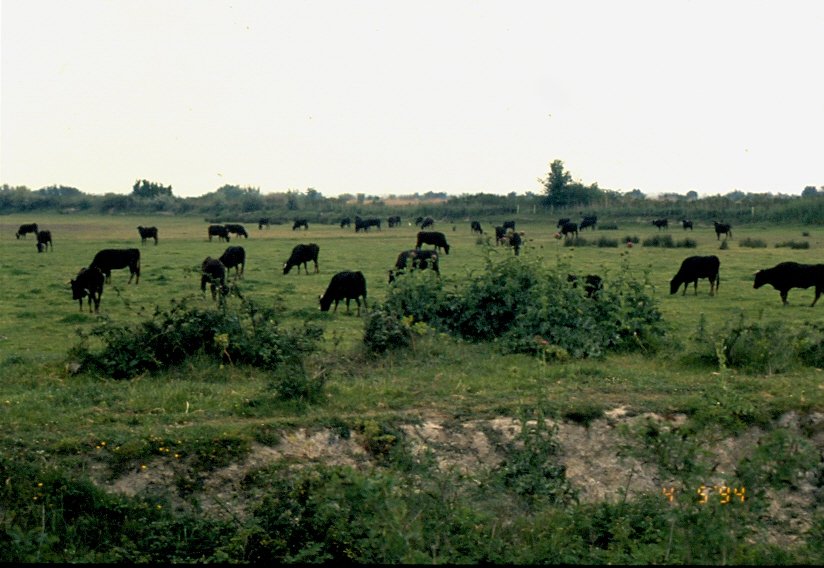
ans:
(752, 243)
(793, 244)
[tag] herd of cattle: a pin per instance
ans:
(349, 285)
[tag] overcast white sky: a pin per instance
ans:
(382, 97)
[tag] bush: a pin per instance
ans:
(385, 330)
(632, 239)
(250, 336)
(608, 227)
(794, 244)
(664, 241)
(752, 243)
(686, 243)
(576, 242)
(605, 242)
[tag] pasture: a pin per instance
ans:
(122, 433)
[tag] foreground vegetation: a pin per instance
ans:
(124, 431)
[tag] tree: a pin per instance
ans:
(556, 185)
(150, 189)
(809, 191)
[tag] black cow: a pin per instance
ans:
(418, 221)
(500, 233)
(687, 224)
(695, 267)
(563, 221)
(427, 222)
(432, 238)
(722, 229)
(394, 221)
(509, 225)
(415, 259)
(238, 230)
(88, 282)
(345, 222)
(25, 230)
(569, 228)
(234, 257)
(219, 231)
(588, 221)
(263, 222)
(44, 241)
(347, 286)
(512, 239)
(592, 284)
(300, 223)
(475, 227)
(364, 224)
(302, 254)
(213, 273)
(147, 233)
(661, 224)
(786, 275)
(111, 259)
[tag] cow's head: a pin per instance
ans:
(760, 279)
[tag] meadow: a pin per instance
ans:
(212, 415)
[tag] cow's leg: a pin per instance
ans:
(695, 286)
(784, 297)
(817, 295)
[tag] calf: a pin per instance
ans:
(687, 224)
(345, 222)
(475, 227)
(213, 273)
(427, 222)
(263, 222)
(88, 282)
(234, 257)
(661, 224)
(695, 267)
(592, 283)
(344, 286)
(239, 230)
(219, 231)
(500, 234)
(569, 229)
(300, 223)
(110, 259)
(394, 221)
(513, 240)
(147, 233)
(432, 238)
(415, 259)
(786, 275)
(722, 229)
(25, 230)
(302, 254)
(44, 241)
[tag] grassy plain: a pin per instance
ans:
(66, 418)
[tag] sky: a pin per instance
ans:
(398, 97)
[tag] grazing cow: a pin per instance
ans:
(347, 286)
(213, 273)
(427, 222)
(44, 240)
(661, 224)
(563, 221)
(786, 275)
(687, 224)
(300, 223)
(88, 282)
(238, 230)
(512, 239)
(111, 259)
(364, 224)
(475, 227)
(592, 283)
(302, 254)
(147, 233)
(432, 238)
(234, 257)
(415, 259)
(695, 267)
(588, 221)
(345, 222)
(263, 222)
(418, 221)
(509, 225)
(500, 234)
(394, 221)
(25, 230)
(722, 229)
(569, 228)
(219, 231)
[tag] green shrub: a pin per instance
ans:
(250, 336)
(608, 227)
(632, 239)
(576, 242)
(385, 330)
(794, 244)
(724, 245)
(752, 243)
(664, 241)
(686, 243)
(605, 242)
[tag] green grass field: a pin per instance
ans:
(66, 417)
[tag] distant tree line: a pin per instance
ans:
(561, 196)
